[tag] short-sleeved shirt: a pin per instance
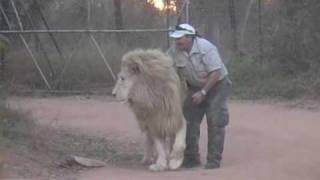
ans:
(203, 59)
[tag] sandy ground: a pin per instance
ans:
(264, 141)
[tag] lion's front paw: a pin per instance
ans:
(157, 167)
(175, 163)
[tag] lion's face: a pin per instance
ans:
(123, 86)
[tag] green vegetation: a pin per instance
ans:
(253, 80)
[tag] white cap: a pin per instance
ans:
(182, 30)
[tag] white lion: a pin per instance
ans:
(150, 85)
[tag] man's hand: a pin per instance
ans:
(198, 97)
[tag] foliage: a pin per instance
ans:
(252, 80)
(4, 44)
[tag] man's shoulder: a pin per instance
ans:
(204, 45)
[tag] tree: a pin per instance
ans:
(233, 24)
(118, 14)
(118, 21)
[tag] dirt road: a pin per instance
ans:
(264, 141)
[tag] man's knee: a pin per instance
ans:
(218, 117)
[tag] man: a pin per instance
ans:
(198, 63)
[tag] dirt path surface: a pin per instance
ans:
(263, 141)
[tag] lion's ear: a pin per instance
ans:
(135, 68)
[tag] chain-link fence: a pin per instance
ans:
(55, 53)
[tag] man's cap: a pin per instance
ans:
(182, 30)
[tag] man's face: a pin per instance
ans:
(184, 43)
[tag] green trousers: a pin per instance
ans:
(216, 110)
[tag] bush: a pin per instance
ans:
(15, 126)
(253, 80)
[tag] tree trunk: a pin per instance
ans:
(261, 54)
(2, 64)
(118, 14)
(118, 20)
(245, 22)
(233, 24)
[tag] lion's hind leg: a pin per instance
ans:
(177, 154)
(161, 163)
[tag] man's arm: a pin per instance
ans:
(213, 63)
(212, 79)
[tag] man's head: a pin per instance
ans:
(183, 36)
